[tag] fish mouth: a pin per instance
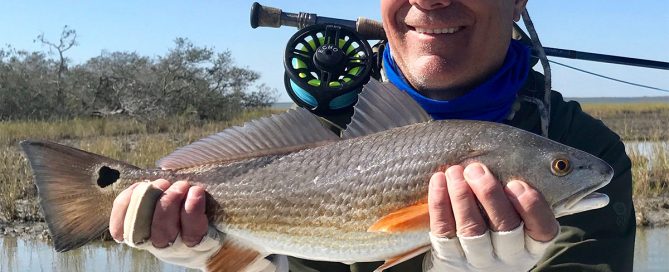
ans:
(585, 200)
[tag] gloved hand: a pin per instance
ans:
(180, 254)
(135, 208)
(479, 225)
(493, 251)
(182, 235)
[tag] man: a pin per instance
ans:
(457, 60)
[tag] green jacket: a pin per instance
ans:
(597, 240)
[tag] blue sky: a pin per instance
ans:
(637, 29)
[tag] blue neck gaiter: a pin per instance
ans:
(490, 101)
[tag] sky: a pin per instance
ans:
(638, 29)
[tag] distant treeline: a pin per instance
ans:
(620, 100)
(187, 80)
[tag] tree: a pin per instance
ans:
(25, 81)
(68, 39)
(188, 80)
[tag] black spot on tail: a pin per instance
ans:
(107, 176)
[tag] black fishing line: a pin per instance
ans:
(610, 78)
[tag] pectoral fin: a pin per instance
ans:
(401, 258)
(412, 218)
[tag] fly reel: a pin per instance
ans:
(326, 66)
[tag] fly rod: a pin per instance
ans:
(369, 29)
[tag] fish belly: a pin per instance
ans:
(332, 247)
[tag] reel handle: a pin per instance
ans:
(265, 16)
(274, 17)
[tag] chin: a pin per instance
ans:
(430, 72)
(432, 79)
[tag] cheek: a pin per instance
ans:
(388, 8)
(393, 14)
(493, 15)
(392, 11)
(492, 32)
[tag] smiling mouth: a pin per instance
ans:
(447, 30)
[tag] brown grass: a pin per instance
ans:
(650, 170)
(15, 184)
(634, 121)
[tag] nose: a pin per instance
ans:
(430, 4)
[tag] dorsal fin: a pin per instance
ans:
(381, 106)
(277, 134)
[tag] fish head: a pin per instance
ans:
(576, 175)
(566, 177)
(570, 178)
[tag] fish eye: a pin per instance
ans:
(560, 167)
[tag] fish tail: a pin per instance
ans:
(76, 190)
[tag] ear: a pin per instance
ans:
(518, 8)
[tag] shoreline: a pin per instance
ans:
(652, 212)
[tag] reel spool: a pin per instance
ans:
(326, 66)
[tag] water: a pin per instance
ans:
(37, 255)
(651, 250)
(645, 148)
(650, 254)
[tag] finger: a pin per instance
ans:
(509, 245)
(442, 223)
(468, 219)
(166, 225)
(479, 252)
(540, 223)
(161, 184)
(118, 211)
(194, 223)
(489, 192)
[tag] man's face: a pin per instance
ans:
(445, 47)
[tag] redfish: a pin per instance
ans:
(287, 185)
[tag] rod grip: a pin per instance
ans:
(265, 16)
(370, 29)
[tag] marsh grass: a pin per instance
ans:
(15, 184)
(11, 132)
(634, 121)
(650, 169)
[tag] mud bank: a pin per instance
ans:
(652, 212)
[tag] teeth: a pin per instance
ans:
(438, 30)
